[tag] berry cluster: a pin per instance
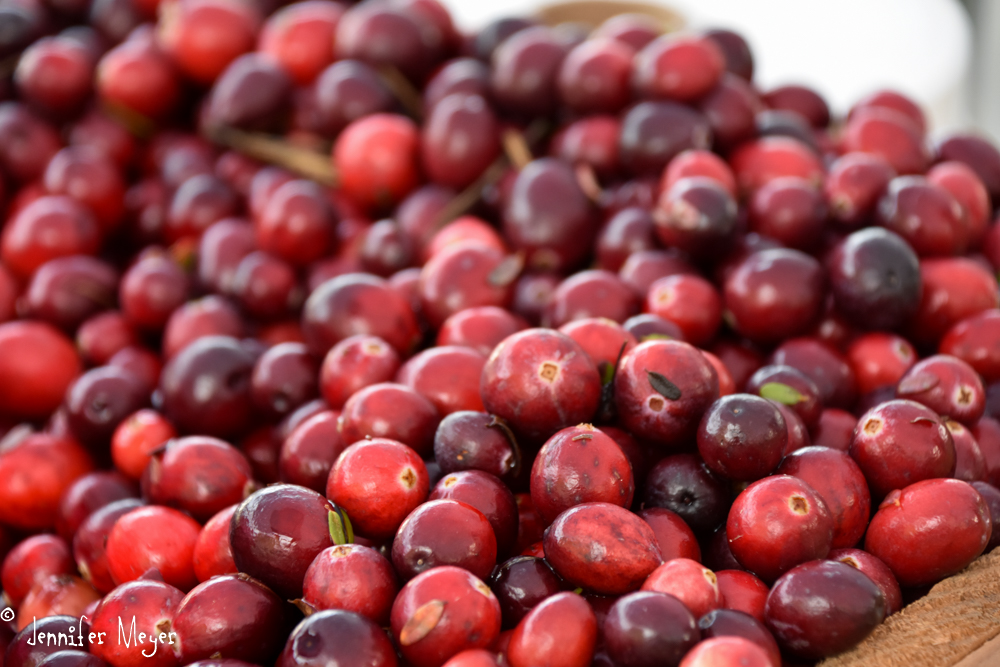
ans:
(332, 336)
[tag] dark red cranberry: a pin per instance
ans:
(835, 429)
(901, 442)
(99, 400)
(877, 571)
(459, 75)
(389, 35)
(223, 366)
(391, 468)
(67, 290)
(733, 110)
(540, 381)
(627, 546)
(718, 556)
(925, 215)
(386, 249)
(354, 578)
(628, 231)
(71, 658)
(473, 441)
(594, 76)
(489, 495)
(49, 227)
(683, 484)
(525, 71)
(991, 496)
(87, 495)
(252, 619)
(790, 387)
(696, 215)
(297, 223)
(29, 142)
(459, 277)
(822, 608)
(661, 390)
(198, 202)
(421, 545)
(947, 385)
(208, 316)
(645, 267)
(251, 93)
(649, 628)
(32, 561)
(335, 636)
(735, 52)
(742, 592)
(90, 543)
(151, 290)
(283, 378)
(929, 530)
(90, 178)
(790, 210)
(346, 91)
(855, 185)
(779, 505)
(742, 437)
(213, 553)
(277, 532)
(981, 155)
(653, 133)
(389, 410)
(974, 340)
(522, 583)
(26, 649)
(731, 623)
(823, 365)
(460, 138)
(562, 631)
(586, 294)
(308, 453)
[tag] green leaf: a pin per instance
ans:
(663, 386)
(656, 336)
(607, 372)
(781, 392)
(341, 530)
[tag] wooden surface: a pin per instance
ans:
(957, 624)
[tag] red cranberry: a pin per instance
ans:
(532, 293)
(974, 340)
(487, 494)
(925, 215)
(277, 532)
(442, 612)
(136, 438)
(628, 231)
(877, 571)
(29, 142)
(213, 553)
(690, 302)
(102, 336)
(220, 250)
(987, 434)
(929, 530)
(72, 659)
(602, 339)
(594, 76)
(854, 186)
(790, 387)
(354, 578)
(627, 546)
(447, 376)
(890, 99)
(378, 482)
(297, 224)
(645, 267)
(674, 537)
(991, 496)
(561, 632)
(743, 592)
(801, 100)
(474, 441)
(353, 363)
(525, 71)
(153, 537)
(90, 543)
(32, 561)
(880, 360)
(420, 545)
(839, 482)
(981, 155)
(890, 135)
(99, 400)
(679, 68)
(901, 442)
(230, 616)
(389, 410)
(139, 77)
(37, 365)
(822, 608)
(727, 650)
(964, 185)
(589, 294)
(688, 581)
(334, 637)
(481, 328)
(309, 452)
(458, 75)
(151, 290)
(778, 505)
(50, 227)
(823, 365)
(947, 385)
(376, 158)
(389, 35)
(203, 36)
(357, 304)
(88, 494)
(758, 162)
(283, 378)
(730, 623)
(152, 604)
(37, 471)
(953, 289)
(661, 390)
(742, 437)
(460, 139)
(521, 584)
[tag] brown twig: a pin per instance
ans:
(275, 151)
(403, 90)
(515, 146)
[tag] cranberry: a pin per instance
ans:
(378, 482)
(947, 385)
(389, 410)
(213, 553)
(72, 659)
(877, 571)
(152, 605)
(297, 224)
(221, 248)
(742, 437)
(487, 494)
(953, 289)
(779, 505)
(987, 435)
(561, 631)
(683, 484)
(525, 70)
(37, 471)
(628, 231)
(277, 532)
(925, 215)
(521, 584)
(890, 135)
(90, 543)
(32, 561)
(458, 75)
(970, 466)
(730, 623)
(801, 100)
(880, 360)
(653, 133)
(420, 545)
(822, 608)
(758, 162)
(357, 304)
(284, 378)
(673, 536)
(890, 99)
(974, 341)
(209, 316)
(901, 442)
(153, 537)
(688, 581)
(298, 37)
(442, 612)
(136, 438)
(99, 400)
(139, 77)
(334, 637)
(854, 186)
(151, 290)
(354, 578)
(54, 595)
(460, 138)
(203, 36)
(481, 328)
(50, 227)
(251, 617)
(991, 496)
(37, 365)
(979, 154)
(25, 649)
(88, 494)
(310, 450)
(929, 530)
(29, 142)
(389, 36)
(376, 158)
(661, 390)
(743, 592)
(839, 482)
(628, 548)
(964, 185)
(727, 650)
(474, 441)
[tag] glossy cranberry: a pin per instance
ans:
(925, 215)
(91, 179)
(29, 142)
(678, 68)
(653, 133)
(334, 637)
(213, 553)
(298, 37)
(628, 231)
(297, 224)
(880, 360)
(67, 290)
(151, 290)
(742, 437)
(32, 561)
(284, 378)
(778, 505)
(88, 494)
(730, 624)
(790, 387)
(854, 186)
(473, 441)
(953, 289)
(481, 328)
(353, 363)
(801, 100)
(591, 145)
(594, 76)
(929, 530)
(526, 67)
(99, 400)
(464, 275)
(348, 90)
(389, 410)
(740, 359)
(458, 75)
(460, 139)
(695, 214)
(420, 545)
(354, 578)
(877, 571)
(136, 438)
(357, 304)
(586, 294)
(979, 154)
(486, 493)
(522, 583)
(968, 190)
(378, 482)
(890, 99)
(758, 162)
(49, 227)
(889, 134)
(662, 388)
(683, 484)
(628, 548)
(389, 36)
(206, 387)
(645, 267)
(442, 612)
(37, 365)
(25, 649)
(649, 628)
(987, 435)
(376, 157)
(947, 385)
(688, 581)
(152, 604)
(131, 551)
(139, 77)
(309, 452)
(991, 496)
(38, 470)
(742, 592)
(277, 532)
(561, 632)
(101, 336)
(197, 204)
(973, 340)
(901, 442)
(209, 316)
(203, 36)
(90, 543)
(55, 595)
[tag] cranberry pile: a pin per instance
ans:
(576, 349)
